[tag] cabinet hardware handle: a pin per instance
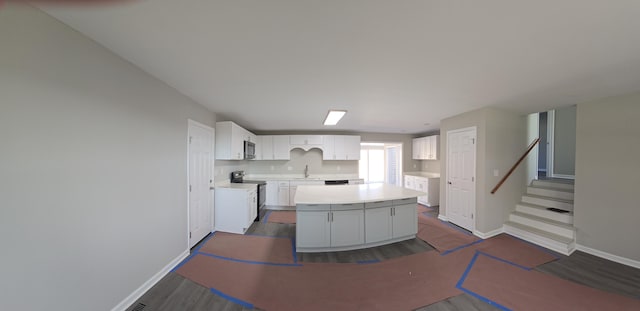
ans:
(328, 217)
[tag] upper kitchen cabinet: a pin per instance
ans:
(306, 142)
(230, 139)
(426, 148)
(341, 147)
(273, 147)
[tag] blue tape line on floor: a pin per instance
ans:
(449, 251)
(231, 298)
(464, 277)
(505, 261)
(251, 261)
(182, 263)
(266, 217)
(293, 249)
(456, 227)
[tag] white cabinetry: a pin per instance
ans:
(274, 147)
(430, 185)
(305, 142)
(425, 148)
(388, 220)
(230, 139)
(341, 147)
(323, 226)
(235, 209)
(283, 193)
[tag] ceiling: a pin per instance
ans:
(396, 66)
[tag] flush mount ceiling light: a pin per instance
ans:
(334, 116)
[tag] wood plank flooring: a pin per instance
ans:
(175, 292)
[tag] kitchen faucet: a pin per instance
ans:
(306, 171)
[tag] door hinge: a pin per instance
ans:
(473, 141)
(190, 138)
(189, 234)
(473, 178)
(189, 188)
(471, 215)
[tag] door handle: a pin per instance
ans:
(449, 182)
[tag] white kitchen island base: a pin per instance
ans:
(348, 217)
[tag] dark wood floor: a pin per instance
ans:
(175, 292)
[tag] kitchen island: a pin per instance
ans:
(347, 217)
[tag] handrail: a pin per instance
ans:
(513, 168)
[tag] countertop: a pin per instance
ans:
(229, 185)
(423, 174)
(347, 194)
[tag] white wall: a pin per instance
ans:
(608, 175)
(564, 141)
(92, 169)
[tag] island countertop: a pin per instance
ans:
(348, 194)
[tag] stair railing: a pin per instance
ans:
(513, 168)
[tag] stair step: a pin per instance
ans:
(548, 202)
(560, 244)
(545, 224)
(542, 211)
(564, 194)
(556, 184)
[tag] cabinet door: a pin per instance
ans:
(422, 184)
(252, 207)
(416, 148)
(347, 228)
(272, 193)
(409, 182)
(281, 147)
(313, 229)
(328, 147)
(351, 147)
(237, 141)
(266, 144)
(292, 195)
(283, 193)
(377, 224)
(435, 139)
(405, 220)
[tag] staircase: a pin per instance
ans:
(545, 216)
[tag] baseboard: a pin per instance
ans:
(564, 176)
(608, 256)
(486, 235)
(123, 305)
(443, 217)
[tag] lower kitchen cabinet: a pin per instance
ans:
(347, 228)
(404, 220)
(324, 226)
(390, 221)
(378, 224)
(235, 209)
(317, 232)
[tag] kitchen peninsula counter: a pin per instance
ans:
(347, 217)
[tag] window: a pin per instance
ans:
(381, 163)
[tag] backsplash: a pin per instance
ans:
(299, 159)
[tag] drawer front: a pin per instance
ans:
(313, 207)
(405, 201)
(378, 204)
(346, 207)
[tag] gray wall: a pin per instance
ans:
(564, 143)
(501, 139)
(92, 169)
(607, 175)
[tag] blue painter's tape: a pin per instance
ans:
(364, 262)
(505, 261)
(447, 252)
(251, 261)
(456, 227)
(464, 277)
(197, 249)
(232, 299)
(182, 263)
(266, 216)
(293, 249)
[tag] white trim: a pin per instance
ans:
(564, 176)
(135, 295)
(486, 235)
(443, 217)
(609, 256)
(551, 126)
(474, 129)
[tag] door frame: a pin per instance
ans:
(191, 123)
(475, 167)
(551, 125)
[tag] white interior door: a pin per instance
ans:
(461, 184)
(200, 151)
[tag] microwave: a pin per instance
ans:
(249, 150)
